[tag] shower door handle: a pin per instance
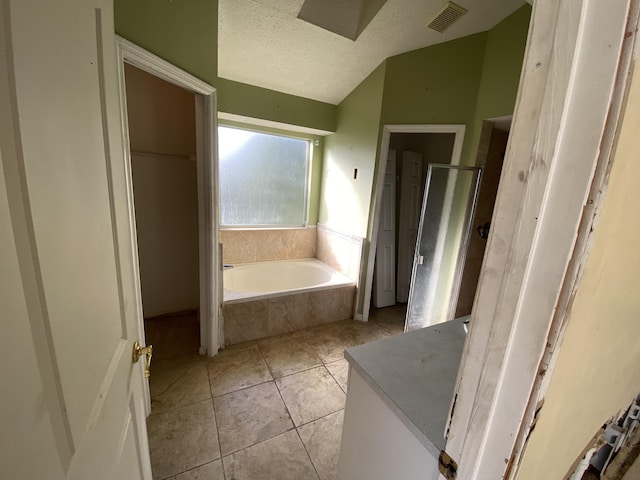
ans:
(420, 259)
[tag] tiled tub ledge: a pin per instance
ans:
(405, 385)
(271, 298)
(255, 319)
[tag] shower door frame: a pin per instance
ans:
(441, 240)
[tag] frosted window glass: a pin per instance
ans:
(263, 178)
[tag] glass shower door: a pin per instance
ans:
(447, 211)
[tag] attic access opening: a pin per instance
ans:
(348, 19)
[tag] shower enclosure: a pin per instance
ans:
(448, 207)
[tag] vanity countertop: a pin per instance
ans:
(415, 374)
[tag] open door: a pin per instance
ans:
(77, 409)
(449, 202)
(411, 188)
(384, 293)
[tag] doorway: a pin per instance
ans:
(162, 142)
(410, 154)
(491, 151)
(408, 151)
(208, 269)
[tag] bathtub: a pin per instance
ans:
(268, 298)
(272, 279)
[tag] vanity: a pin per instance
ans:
(398, 403)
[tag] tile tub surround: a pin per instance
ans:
(257, 319)
(263, 245)
(268, 409)
(341, 251)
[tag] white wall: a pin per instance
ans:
(162, 123)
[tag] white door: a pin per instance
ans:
(76, 407)
(411, 187)
(384, 293)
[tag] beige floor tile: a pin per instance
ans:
(173, 336)
(340, 372)
(329, 343)
(289, 356)
(279, 458)
(390, 318)
(191, 387)
(235, 369)
(182, 439)
(391, 328)
(210, 471)
(250, 416)
(239, 346)
(165, 373)
(281, 337)
(322, 441)
(310, 395)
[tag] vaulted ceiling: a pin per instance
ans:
(264, 43)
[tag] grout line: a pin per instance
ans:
(190, 469)
(177, 379)
(335, 379)
(306, 369)
(285, 404)
(239, 389)
(258, 443)
(180, 407)
(264, 359)
(315, 469)
(320, 418)
(215, 419)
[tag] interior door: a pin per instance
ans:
(411, 188)
(62, 152)
(450, 198)
(384, 293)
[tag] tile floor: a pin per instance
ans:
(268, 409)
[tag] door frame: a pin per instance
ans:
(380, 168)
(207, 171)
(574, 79)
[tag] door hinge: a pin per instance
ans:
(447, 466)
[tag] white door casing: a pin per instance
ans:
(381, 164)
(572, 78)
(62, 163)
(210, 274)
(385, 276)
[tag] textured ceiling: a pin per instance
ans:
(263, 43)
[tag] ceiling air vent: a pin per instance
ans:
(449, 14)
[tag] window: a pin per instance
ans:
(263, 179)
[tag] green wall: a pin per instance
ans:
(435, 85)
(185, 33)
(255, 102)
(344, 201)
(500, 75)
(459, 82)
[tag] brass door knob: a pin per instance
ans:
(138, 351)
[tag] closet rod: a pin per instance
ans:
(164, 155)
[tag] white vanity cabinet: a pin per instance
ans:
(398, 402)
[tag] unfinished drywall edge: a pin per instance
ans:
(603, 322)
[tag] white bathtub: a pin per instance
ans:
(260, 280)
